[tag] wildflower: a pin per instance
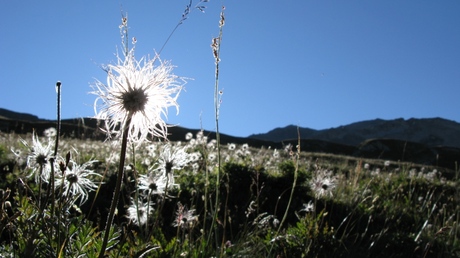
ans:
(184, 218)
(151, 150)
(212, 157)
(155, 183)
(136, 96)
(375, 172)
(288, 148)
(276, 154)
(276, 222)
(366, 166)
(39, 159)
(146, 162)
(195, 167)
(263, 220)
(192, 142)
(173, 158)
(431, 176)
(211, 144)
(76, 181)
(308, 207)
(50, 132)
(199, 136)
(322, 184)
(139, 212)
(231, 146)
(188, 136)
(412, 173)
(194, 156)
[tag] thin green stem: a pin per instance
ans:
(216, 52)
(116, 194)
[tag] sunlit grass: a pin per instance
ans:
(372, 210)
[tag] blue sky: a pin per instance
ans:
(315, 64)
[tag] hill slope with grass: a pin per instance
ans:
(433, 141)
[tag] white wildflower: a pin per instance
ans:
(77, 180)
(139, 212)
(323, 184)
(38, 159)
(308, 207)
(136, 97)
(185, 218)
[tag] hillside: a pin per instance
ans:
(428, 131)
(434, 141)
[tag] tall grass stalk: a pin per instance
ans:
(216, 43)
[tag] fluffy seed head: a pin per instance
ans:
(136, 97)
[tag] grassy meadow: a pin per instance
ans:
(270, 203)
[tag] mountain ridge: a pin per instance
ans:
(429, 131)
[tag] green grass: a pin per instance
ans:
(381, 211)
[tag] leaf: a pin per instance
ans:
(146, 250)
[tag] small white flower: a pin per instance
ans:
(77, 181)
(38, 159)
(156, 183)
(185, 218)
(231, 146)
(139, 212)
(50, 132)
(195, 167)
(151, 150)
(212, 157)
(194, 156)
(188, 136)
(308, 207)
(211, 144)
(173, 158)
(276, 154)
(322, 184)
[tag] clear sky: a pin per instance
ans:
(315, 64)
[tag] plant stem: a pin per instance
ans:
(216, 52)
(116, 194)
(58, 132)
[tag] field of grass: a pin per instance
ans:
(270, 203)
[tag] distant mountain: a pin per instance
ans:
(428, 131)
(5, 113)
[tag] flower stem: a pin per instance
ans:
(116, 194)
(58, 132)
